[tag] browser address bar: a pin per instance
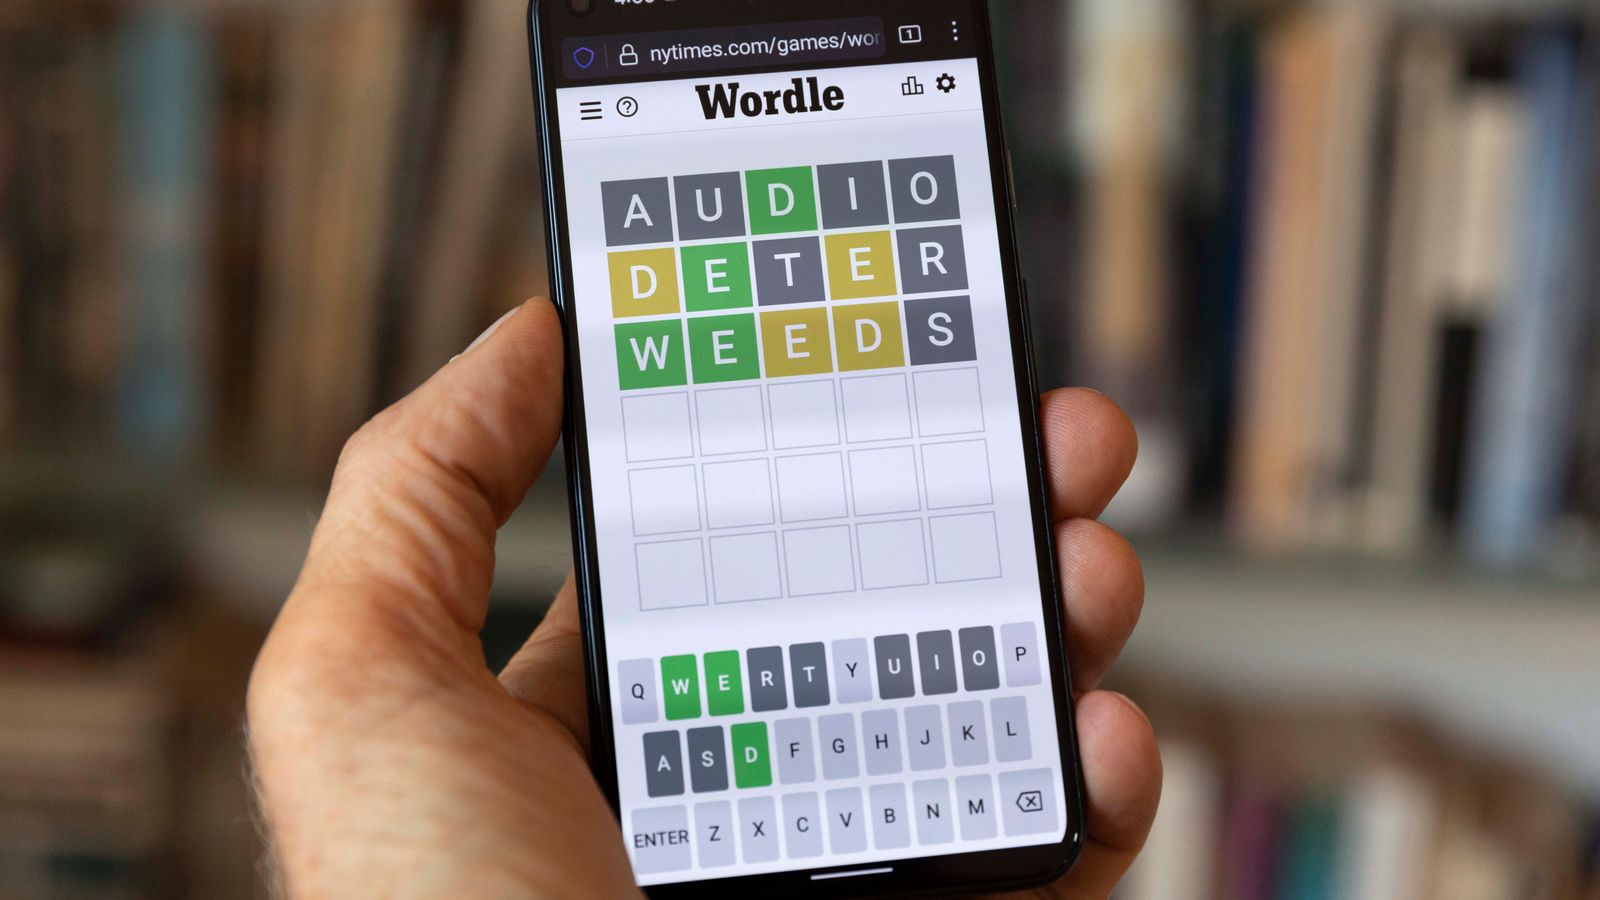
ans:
(711, 49)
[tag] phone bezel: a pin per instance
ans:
(985, 870)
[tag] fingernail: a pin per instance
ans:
(489, 333)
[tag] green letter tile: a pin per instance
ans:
(680, 679)
(751, 765)
(650, 355)
(723, 348)
(782, 200)
(717, 276)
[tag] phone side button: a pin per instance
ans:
(660, 840)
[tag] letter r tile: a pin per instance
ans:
(644, 283)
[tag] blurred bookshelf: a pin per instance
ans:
(1335, 259)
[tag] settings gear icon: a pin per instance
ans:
(946, 83)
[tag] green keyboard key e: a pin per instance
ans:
(724, 688)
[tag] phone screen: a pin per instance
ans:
(813, 520)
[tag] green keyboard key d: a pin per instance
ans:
(680, 680)
(752, 764)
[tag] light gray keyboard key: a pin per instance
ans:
(663, 764)
(852, 671)
(894, 666)
(768, 688)
(802, 826)
(936, 659)
(708, 760)
(1020, 651)
(1009, 716)
(808, 670)
(925, 738)
(758, 829)
(713, 834)
(880, 741)
(836, 742)
(660, 840)
(975, 807)
(637, 678)
(1029, 801)
(980, 671)
(797, 752)
(891, 824)
(969, 740)
(930, 806)
(847, 821)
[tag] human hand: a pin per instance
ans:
(391, 761)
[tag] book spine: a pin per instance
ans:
(1521, 419)
(166, 78)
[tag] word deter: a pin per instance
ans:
(804, 95)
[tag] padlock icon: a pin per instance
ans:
(628, 56)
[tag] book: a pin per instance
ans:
(166, 73)
(1516, 457)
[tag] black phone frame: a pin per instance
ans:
(549, 23)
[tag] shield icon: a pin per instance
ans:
(584, 57)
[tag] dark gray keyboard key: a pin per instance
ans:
(936, 656)
(663, 764)
(925, 738)
(808, 669)
(708, 760)
(880, 741)
(768, 689)
(894, 666)
(1012, 743)
(980, 671)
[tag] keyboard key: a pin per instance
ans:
(930, 806)
(1011, 740)
(1029, 800)
(681, 677)
(925, 738)
(713, 834)
(891, 826)
(852, 671)
(969, 741)
(752, 764)
(847, 821)
(708, 760)
(663, 764)
(660, 840)
(937, 656)
(797, 755)
(724, 687)
(980, 671)
(894, 666)
(836, 740)
(758, 829)
(802, 825)
(880, 741)
(768, 689)
(1021, 654)
(975, 807)
(808, 669)
(637, 679)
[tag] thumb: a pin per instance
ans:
(407, 535)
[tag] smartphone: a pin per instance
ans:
(821, 615)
